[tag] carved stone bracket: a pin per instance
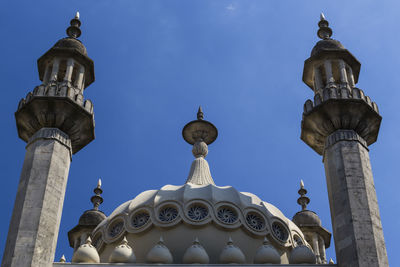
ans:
(52, 133)
(344, 135)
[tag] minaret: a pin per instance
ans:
(200, 133)
(88, 221)
(310, 224)
(56, 122)
(340, 124)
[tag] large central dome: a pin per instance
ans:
(214, 216)
(180, 214)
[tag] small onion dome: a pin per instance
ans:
(231, 254)
(63, 259)
(86, 253)
(196, 254)
(306, 218)
(302, 254)
(326, 45)
(159, 253)
(267, 254)
(123, 253)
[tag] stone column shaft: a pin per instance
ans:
(70, 68)
(318, 80)
(46, 74)
(322, 250)
(351, 78)
(79, 78)
(343, 74)
(354, 208)
(315, 246)
(35, 221)
(54, 71)
(328, 71)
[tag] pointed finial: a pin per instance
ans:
(74, 31)
(331, 261)
(88, 241)
(196, 241)
(199, 130)
(97, 199)
(200, 114)
(230, 241)
(124, 241)
(63, 259)
(265, 241)
(161, 241)
(324, 31)
(303, 200)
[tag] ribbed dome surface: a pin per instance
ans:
(329, 44)
(71, 43)
(306, 218)
(211, 213)
(91, 217)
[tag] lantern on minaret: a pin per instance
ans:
(56, 121)
(340, 124)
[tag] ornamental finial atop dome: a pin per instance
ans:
(74, 31)
(200, 114)
(97, 199)
(200, 133)
(303, 200)
(324, 31)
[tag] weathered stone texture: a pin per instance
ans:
(37, 211)
(355, 215)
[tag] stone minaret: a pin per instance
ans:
(56, 122)
(340, 124)
(88, 221)
(310, 224)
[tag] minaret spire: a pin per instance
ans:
(97, 199)
(303, 200)
(74, 30)
(200, 133)
(324, 31)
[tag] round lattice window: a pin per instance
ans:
(168, 214)
(197, 212)
(297, 240)
(96, 241)
(255, 221)
(279, 231)
(116, 228)
(227, 215)
(140, 219)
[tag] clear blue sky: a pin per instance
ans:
(156, 61)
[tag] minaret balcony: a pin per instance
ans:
(57, 105)
(334, 111)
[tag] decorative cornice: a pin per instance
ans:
(54, 134)
(344, 135)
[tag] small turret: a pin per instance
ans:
(310, 224)
(88, 221)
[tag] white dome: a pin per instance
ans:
(205, 211)
(123, 253)
(86, 253)
(267, 254)
(231, 254)
(195, 254)
(159, 254)
(301, 255)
